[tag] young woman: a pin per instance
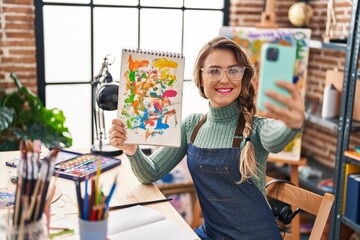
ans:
(227, 148)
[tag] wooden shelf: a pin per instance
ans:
(317, 44)
(352, 157)
(329, 123)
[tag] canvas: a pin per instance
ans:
(251, 40)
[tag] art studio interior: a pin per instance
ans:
(69, 68)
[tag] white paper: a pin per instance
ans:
(139, 223)
(150, 97)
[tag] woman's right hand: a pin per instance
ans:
(117, 135)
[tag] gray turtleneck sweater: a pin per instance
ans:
(268, 135)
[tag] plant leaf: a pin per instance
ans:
(30, 120)
(6, 117)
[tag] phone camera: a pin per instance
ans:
(272, 54)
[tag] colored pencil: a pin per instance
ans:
(139, 203)
(86, 200)
(79, 199)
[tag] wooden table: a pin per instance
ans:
(129, 190)
(294, 178)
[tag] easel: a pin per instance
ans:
(268, 17)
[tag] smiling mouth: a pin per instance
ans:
(224, 90)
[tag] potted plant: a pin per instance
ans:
(23, 116)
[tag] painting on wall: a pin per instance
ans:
(251, 39)
(150, 97)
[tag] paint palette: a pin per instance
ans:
(78, 167)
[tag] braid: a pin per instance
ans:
(248, 162)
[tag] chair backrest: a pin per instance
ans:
(310, 202)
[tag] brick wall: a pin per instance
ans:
(17, 53)
(17, 43)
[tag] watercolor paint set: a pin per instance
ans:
(78, 167)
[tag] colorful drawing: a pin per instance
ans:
(150, 95)
(252, 39)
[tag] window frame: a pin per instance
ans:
(40, 47)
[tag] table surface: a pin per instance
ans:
(129, 190)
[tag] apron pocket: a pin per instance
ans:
(218, 183)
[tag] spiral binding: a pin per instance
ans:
(154, 52)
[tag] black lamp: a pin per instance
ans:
(105, 98)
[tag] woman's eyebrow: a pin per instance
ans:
(234, 65)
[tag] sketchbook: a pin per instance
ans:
(138, 223)
(150, 96)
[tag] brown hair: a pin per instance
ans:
(246, 99)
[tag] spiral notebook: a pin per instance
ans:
(150, 96)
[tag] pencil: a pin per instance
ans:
(139, 203)
(79, 198)
(93, 193)
(98, 171)
(86, 200)
(108, 198)
(101, 209)
(111, 192)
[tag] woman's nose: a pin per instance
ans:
(224, 78)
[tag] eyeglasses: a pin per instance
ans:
(234, 73)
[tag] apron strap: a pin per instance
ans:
(193, 135)
(238, 132)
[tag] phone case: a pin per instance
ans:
(271, 70)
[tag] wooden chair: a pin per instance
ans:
(310, 202)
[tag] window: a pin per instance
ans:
(74, 36)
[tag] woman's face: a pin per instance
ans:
(224, 91)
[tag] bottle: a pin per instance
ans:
(330, 102)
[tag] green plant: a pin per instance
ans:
(23, 116)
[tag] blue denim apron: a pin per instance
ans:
(230, 210)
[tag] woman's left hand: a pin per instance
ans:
(292, 113)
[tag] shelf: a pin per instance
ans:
(308, 183)
(352, 158)
(330, 123)
(350, 224)
(332, 46)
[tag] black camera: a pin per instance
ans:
(272, 54)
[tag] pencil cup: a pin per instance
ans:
(93, 230)
(33, 230)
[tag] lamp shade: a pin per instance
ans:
(107, 96)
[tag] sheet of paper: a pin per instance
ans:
(138, 223)
(150, 97)
(132, 217)
(161, 230)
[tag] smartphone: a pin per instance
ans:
(276, 63)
